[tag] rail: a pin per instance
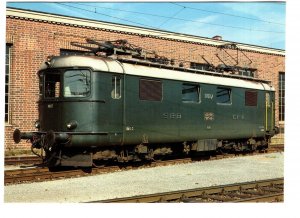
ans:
(22, 160)
(257, 191)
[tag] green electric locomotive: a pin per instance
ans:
(101, 108)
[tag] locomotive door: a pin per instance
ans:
(116, 110)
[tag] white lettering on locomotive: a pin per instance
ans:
(172, 115)
(208, 96)
(238, 117)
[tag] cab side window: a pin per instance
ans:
(223, 95)
(116, 87)
(52, 85)
(190, 93)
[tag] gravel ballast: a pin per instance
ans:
(150, 180)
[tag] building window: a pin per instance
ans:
(116, 87)
(250, 98)
(199, 66)
(65, 52)
(242, 71)
(7, 72)
(190, 93)
(281, 92)
(247, 72)
(150, 90)
(223, 95)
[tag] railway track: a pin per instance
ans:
(39, 174)
(276, 148)
(258, 191)
(22, 160)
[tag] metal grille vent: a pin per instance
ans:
(250, 98)
(150, 90)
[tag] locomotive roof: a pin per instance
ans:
(115, 66)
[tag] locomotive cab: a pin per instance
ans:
(60, 90)
(74, 109)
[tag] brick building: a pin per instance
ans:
(33, 36)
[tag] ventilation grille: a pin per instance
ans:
(250, 98)
(150, 90)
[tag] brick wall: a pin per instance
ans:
(32, 41)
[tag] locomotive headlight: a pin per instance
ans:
(37, 124)
(72, 124)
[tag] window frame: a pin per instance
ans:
(44, 84)
(114, 88)
(230, 96)
(248, 72)
(8, 54)
(61, 73)
(63, 84)
(199, 66)
(71, 52)
(198, 92)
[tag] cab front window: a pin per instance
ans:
(77, 83)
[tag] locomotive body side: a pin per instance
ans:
(98, 108)
(172, 118)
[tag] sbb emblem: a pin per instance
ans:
(209, 116)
